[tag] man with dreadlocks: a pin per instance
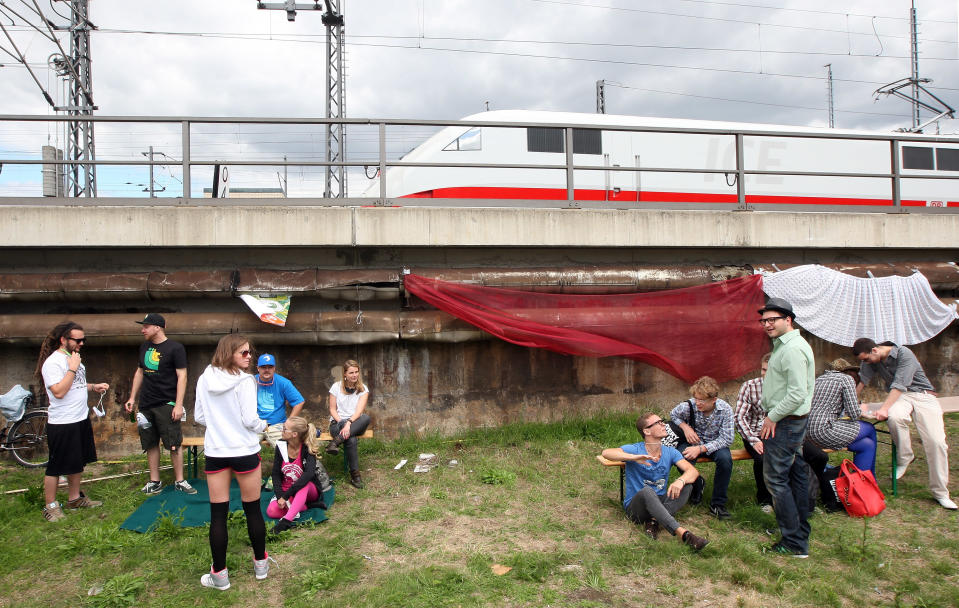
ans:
(69, 432)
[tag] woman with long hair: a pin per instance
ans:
(348, 399)
(299, 478)
(226, 405)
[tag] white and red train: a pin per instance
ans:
(924, 161)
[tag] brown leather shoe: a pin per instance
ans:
(356, 481)
(696, 542)
(82, 502)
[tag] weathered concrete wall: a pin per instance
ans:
(444, 388)
(260, 225)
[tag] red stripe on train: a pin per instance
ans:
(499, 192)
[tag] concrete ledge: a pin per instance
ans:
(293, 226)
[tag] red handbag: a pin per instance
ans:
(859, 492)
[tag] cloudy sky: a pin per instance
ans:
(735, 60)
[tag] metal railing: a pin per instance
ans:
(187, 163)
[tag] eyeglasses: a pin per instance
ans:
(78, 340)
(662, 422)
(770, 320)
(244, 353)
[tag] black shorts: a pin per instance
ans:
(238, 464)
(71, 447)
(162, 428)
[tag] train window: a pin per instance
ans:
(550, 139)
(544, 139)
(472, 140)
(917, 158)
(587, 141)
(947, 159)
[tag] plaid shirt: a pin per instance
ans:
(749, 410)
(833, 399)
(716, 431)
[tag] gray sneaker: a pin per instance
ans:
(184, 486)
(152, 487)
(261, 567)
(217, 580)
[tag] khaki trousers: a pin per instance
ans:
(925, 411)
(273, 433)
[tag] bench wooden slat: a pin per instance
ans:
(191, 442)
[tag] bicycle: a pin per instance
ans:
(25, 432)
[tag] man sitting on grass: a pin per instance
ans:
(649, 501)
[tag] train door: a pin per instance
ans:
(620, 185)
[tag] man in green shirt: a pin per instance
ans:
(787, 397)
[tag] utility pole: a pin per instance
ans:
(829, 95)
(75, 69)
(914, 51)
(335, 84)
(600, 96)
(149, 154)
(81, 177)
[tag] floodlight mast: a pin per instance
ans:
(335, 84)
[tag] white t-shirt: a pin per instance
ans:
(346, 403)
(73, 406)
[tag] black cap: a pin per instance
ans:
(780, 305)
(153, 319)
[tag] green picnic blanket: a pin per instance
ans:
(192, 510)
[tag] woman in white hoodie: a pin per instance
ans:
(226, 405)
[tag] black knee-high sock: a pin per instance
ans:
(218, 534)
(256, 528)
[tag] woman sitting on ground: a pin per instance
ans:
(834, 422)
(299, 479)
(348, 399)
(649, 501)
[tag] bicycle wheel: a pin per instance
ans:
(28, 440)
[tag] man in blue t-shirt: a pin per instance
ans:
(273, 394)
(650, 499)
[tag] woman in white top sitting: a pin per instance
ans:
(348, 399)
(226, 405)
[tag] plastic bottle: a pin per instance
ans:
(142, 421)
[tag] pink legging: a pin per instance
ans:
(296, 504)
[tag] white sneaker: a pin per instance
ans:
(767, 508)
(901, 469)
(948, 504)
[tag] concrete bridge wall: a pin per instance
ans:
(423, 387)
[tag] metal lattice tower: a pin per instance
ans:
(335, 98)
(335, 84)
(82, 177)
(914, 52)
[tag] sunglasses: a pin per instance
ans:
(245, 353)
(78, 340)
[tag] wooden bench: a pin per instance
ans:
(737, 454)
(193, 445)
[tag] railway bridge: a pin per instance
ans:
(106, 261)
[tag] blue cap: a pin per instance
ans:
(266, 360)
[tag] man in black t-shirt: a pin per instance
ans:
(161, 373)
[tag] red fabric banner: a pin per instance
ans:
(706, 330)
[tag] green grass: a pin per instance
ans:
(528, 497)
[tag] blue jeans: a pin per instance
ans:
(784, 472)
